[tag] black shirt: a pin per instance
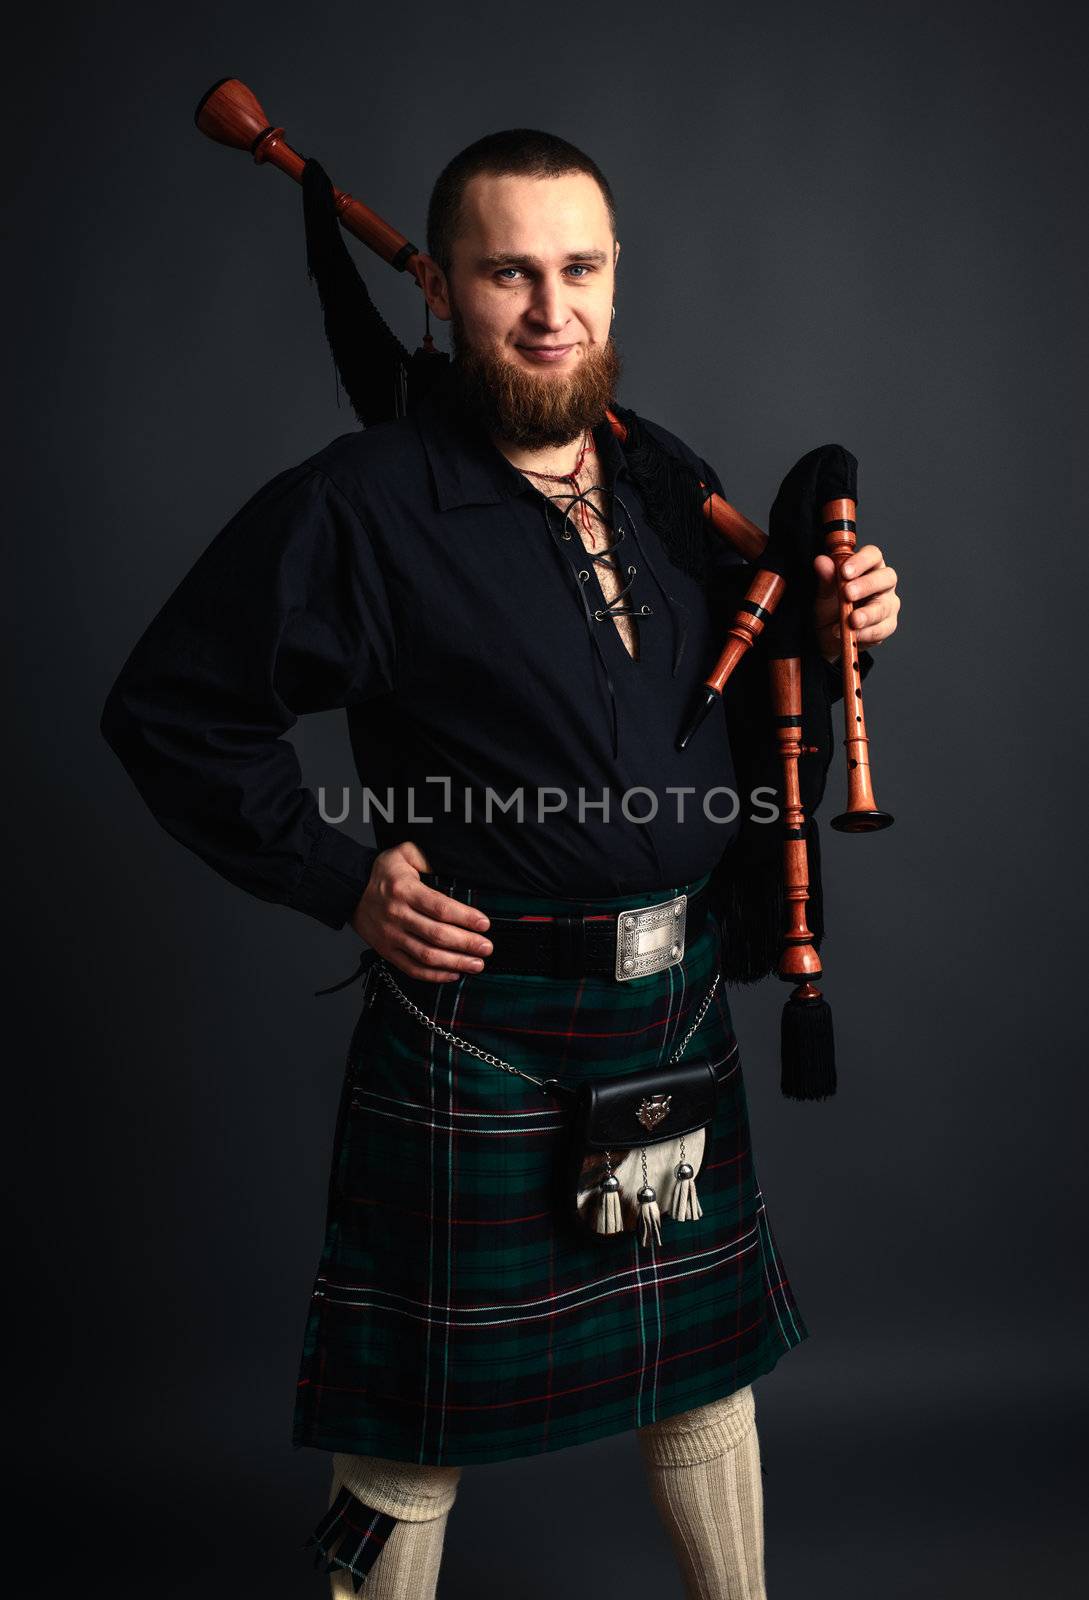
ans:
(412, 575)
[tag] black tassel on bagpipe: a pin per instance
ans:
(807, 1047)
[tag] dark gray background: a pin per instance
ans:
(856, 222)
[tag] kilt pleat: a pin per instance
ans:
(456, 1315)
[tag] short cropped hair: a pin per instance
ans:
(515, 152)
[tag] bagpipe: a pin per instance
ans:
(815, 510)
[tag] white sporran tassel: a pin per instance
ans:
(686, 1202)
(648, 1207)
(609, 1219)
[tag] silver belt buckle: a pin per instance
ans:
(650, 939)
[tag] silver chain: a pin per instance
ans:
(505, 1066)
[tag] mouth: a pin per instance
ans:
(546, 354)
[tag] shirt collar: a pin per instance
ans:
(467, 468)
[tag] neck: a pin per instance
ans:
(551, 459)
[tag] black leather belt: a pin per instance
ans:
(621, 945)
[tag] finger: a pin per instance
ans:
(870, 641)
(424, 974)
(876, 633)
(440, 907)
(873, 613)
(825, 569)
(876, 581)
(431, 958)
(863, 617)
(861, 560)
(443, 934)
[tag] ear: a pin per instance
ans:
(432, 280)
(616, 253)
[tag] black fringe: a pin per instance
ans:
(425, 368)
(751, 894)
(372, 362)
(672, 498)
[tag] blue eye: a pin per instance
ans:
(581, 270)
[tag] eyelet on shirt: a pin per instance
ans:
(584, 576)
(631, 572)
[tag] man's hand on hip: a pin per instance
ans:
(424, 933)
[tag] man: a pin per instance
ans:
(480, 586)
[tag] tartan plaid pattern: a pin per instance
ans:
(358, 1530)
(455, 1316)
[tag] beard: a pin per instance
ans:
(527, 409)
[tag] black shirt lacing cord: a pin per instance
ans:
(581, 498)
(614, 607)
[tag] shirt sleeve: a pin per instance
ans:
(285, 612)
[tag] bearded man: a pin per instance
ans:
(479, 585)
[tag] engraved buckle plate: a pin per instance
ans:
(650, 939)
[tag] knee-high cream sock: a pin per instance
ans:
(420, 1497)
(703, 1467)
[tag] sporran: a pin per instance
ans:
(635, 1143)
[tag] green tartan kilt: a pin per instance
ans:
(457, 1315)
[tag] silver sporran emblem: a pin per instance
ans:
(654, 1111)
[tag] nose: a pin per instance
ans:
(547, 310)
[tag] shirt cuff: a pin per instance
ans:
(334, 878)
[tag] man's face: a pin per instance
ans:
(530, 296)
